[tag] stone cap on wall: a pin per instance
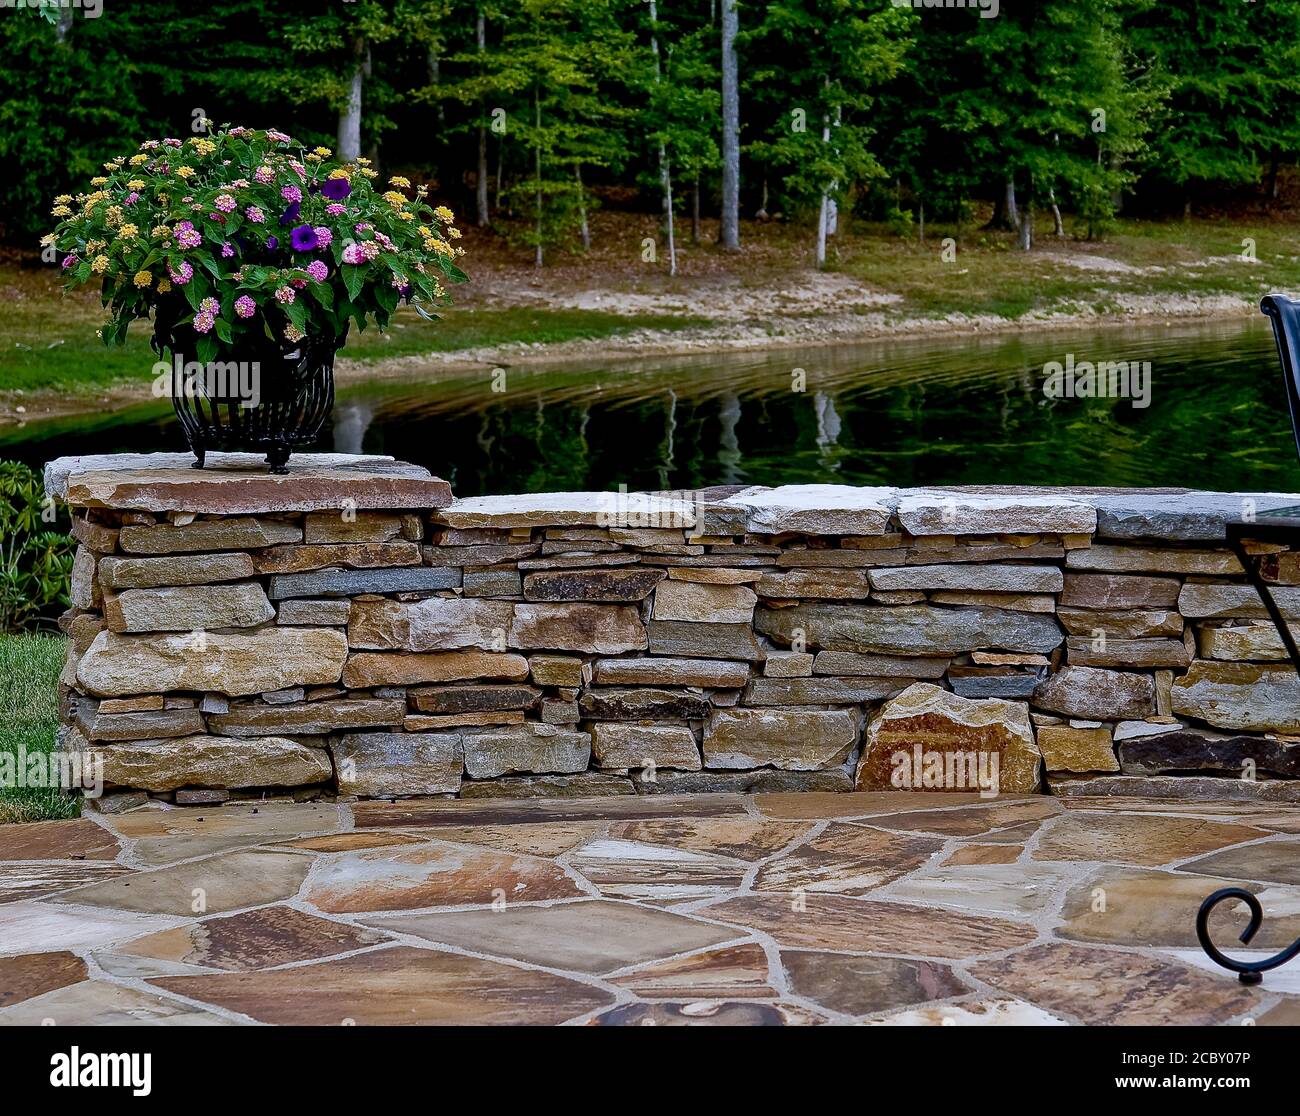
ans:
(239, 484)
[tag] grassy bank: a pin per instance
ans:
(875, 278)
(29, 671)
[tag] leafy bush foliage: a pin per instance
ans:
(35, 559)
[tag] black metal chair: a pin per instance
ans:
(1281, 525)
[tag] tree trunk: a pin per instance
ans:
(1005, 216)
(481, 185)
(760, 214)
(695, 210)
(730, 237)
(537, 156)
(349, 143)
(665, 175)
(1027, 228)
(434, 66)
(1058, 230)
(920, 205)
(582, 209)
(823, 214)
(1273, 162)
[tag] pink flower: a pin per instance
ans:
(245, 307)
(182, 275)
(69, 261)
(278, 137)
(132, 198)
(227, 250)
(298, 284)
(284, 295)
(209, 306)
(225, 202)
(318, 270)
(254, 214)
(352, 254)
(187, 236)
(369, 249)
(291, 193)
(203, 323)
(324, 238)
(265, 175)
(334, 209)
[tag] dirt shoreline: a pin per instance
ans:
(816, 330)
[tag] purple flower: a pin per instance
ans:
(69, 261)
(318, 270)
(336, 189)
(132, 198)
(227, 250)
(245, 307)
(335, 209)
(291, 193)
(352, 254)
(255, 215)
(324, 238)
(304, 239)
(290, 215)
(182, 274)
(272, 243)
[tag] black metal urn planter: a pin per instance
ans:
(254, 257)
(263, 396)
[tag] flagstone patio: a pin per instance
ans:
(893, 908)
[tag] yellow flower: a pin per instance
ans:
(61, 211)
(442, 247)
(63, 199)
(421, 191)
(312, 157)
(114, 216)
(138, 160)
(128, 232)
(143, 280)
(135, 184)
(164, 285)
(444, 214)
(454, 233)
(159, 231)
(203, 146)
(184, 172)
(405, 216)
(362, 162)
(369, 173)
(398, 180)
(393, 198)
(340, 172)
(98, 181)
(99, 264)
(323, 152)
(95, 245)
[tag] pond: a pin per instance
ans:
(968, 410)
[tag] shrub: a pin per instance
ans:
(35, 559)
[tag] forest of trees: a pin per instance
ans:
(526, 114)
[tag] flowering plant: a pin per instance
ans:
(241, 234)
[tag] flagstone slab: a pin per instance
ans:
(847, 859)
(1272, 861)
(434, 875)
(34, 974)
(976, 820)
(397, 986)
(1107, 987)
(730, 973)
(39, 927)
(835, 922)
(238, 482)
(79, 839)
(97, 1003)
(630, 870)
(438, 812)
(1143, 840)
(741, 838)
(28, 879)
(861, 985)
(1003, 889)
(855, 804)
(984, 854)
(352, 842)
(225, 882)
(529, 840)
(256, 939)
(1144, 907)
(596, 936)
(708, 1013)
(972, 1013)
(163, 836)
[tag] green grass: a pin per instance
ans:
(50, 341)
(29, 672)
